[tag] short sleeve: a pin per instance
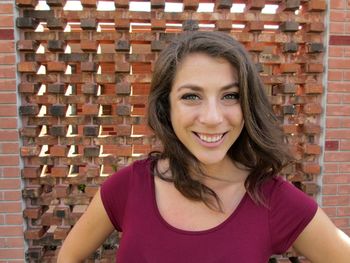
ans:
(114, 195)
(290, 212)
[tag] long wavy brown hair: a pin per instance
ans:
(259, 147)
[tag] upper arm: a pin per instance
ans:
(94, 226)
(322, 242)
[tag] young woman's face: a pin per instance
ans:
(204, 105)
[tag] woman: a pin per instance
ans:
(212, 194)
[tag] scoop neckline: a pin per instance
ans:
(192, 232)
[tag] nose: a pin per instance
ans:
(211, 114)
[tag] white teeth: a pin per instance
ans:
(214, 138)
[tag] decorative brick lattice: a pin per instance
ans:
(84, 79)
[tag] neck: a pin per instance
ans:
(224, 173)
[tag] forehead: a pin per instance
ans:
(202, 69)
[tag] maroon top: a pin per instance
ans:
(252, 233)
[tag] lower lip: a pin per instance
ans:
(209, 144)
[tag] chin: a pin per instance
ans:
(210, 160)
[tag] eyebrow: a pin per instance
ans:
(198, 88)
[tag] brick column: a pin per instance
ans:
(336, 173)
(11, 220)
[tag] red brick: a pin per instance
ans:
(58, 150)
(7, 72)
(9, 160)
(61, 233)
(7, 46)
(13, 253)
(6, 8)
(56, 66)
(32, 212)
(10, 183)
(337, 134)
(336, 179)
(332, 145)
(8, 123)
(121, 4)
(311, 88)
(90, 109)
(8, 135)
(339, 63)
(122, 24)
(11, 231)
(334, 98)
(255, 5)
(6, 59)
(30, 151)
(344, 189)
(89, 3)
(311, 128)
(158, 24)
(62, 190)
(35, 233)
(345, 145)
(316, 5)
(312, 149)
(10, 172)
(13, 242)
(14, 219)
(329, 189)
(6, 21)
(191, 4)
(290, 128)
(26, 3)
(141, 149)
(7, 111)
(311, 168)
(27, 67)
(346, 75)
(254, 26)
(12, 195)
(336, 28)
(346, 99)
(6, 34)
(88, 45)
(289, 68)
(343, 211)
(335, 75)
(6, 148)
(330, 167)
(335, 51)
(59, 171)
(335, 200)
(337, 157)
(314, 68)
(335, 110)
(337, 4)
(314, 27)
(312, 108)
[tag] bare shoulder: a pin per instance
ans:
(322, 242)
(93, 226)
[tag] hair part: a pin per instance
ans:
(259, 147)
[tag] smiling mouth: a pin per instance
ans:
(212, 138)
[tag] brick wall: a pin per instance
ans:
(11, 219)
(336, 172)
(83, 85)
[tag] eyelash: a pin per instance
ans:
(229, 96)
(189, 96)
